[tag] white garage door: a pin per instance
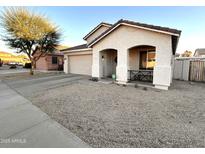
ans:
(80, 64)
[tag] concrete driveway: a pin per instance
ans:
(23, 124)
(31, 85)
(5, 70)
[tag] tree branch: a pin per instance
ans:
(38, 57)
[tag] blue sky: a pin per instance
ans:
(76, 22)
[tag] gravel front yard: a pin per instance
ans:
(108, 115)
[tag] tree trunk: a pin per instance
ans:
(31, 69)
(34, 64)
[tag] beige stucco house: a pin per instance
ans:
(200, 52)
(123, 48)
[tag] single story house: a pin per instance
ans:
(50, 61)
(125, 47)
(200, 52)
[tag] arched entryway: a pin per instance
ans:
(141, 62)
(108, 60)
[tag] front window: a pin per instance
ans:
(147, 59)
(54, 60)
(150, 59)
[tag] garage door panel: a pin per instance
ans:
(81, 64)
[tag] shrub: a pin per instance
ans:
(94, 79)
(27, 65)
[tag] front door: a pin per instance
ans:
(109, 63)
(143, 59)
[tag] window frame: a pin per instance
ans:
(54, 62)
(147, 57)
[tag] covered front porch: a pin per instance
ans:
(137, 63)
(141, 62)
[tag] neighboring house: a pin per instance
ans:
(50, 61)
(199, 52)
(122, 47)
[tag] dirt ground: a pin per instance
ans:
(108, 115)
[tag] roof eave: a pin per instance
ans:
(71, 48)
(85, 49)
(96, 28)
(160, 31)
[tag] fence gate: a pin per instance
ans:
(197, 71)
(181, 69)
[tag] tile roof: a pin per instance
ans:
(165, 29)
(82, 46)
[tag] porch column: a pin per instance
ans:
(122, 66)
(163, 69)
(66, 64)
(96, 64)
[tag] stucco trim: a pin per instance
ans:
(96, 28)
(78, 50)
(126, 24)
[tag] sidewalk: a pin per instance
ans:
(24, 125)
